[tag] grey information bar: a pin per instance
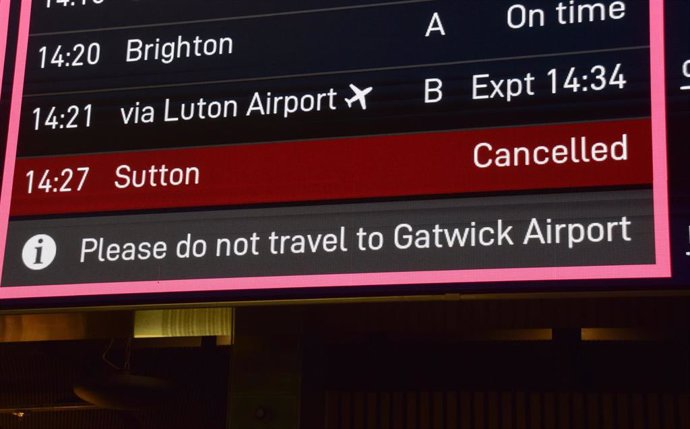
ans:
(571, 229)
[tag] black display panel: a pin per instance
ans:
(325, 147)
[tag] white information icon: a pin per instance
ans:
(39, 252)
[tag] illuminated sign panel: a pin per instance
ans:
(157, 147)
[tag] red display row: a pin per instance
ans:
(610, 153)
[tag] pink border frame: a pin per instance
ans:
(4, 28)
(662, 267)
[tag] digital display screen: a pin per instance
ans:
(179, 146)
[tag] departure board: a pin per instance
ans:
(198, 146)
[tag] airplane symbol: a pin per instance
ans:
(360, 95)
